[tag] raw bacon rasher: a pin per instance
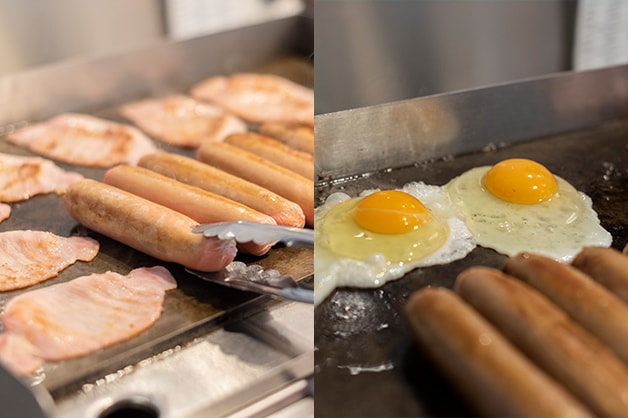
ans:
(84, 140)
(18, 354)
(81, 316)
(5, 211)
(30, 257)
(259, 97)
(181, 120)
(22, 177)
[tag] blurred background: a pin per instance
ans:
(43, 32)
(370, 52)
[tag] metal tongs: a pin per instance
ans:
(245, 231)
(253, 277)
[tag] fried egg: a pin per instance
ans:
(519, 205)
(380, 235)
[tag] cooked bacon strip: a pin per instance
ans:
(259, 97)
(84, 140)
(86, 314)
(30, 257)
(182, 120)
(22, 177)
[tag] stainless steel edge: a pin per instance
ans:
(406, 132)
(293, 372)
(262, 363)
(95, 83)
(18, 399)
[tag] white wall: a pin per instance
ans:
(372, 51)
(37, 32)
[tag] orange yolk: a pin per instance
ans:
(520, 180)
(391, 212)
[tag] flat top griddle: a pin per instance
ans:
(367, 363)
(195, 308)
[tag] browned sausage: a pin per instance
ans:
(262, 172)
(589, 303)
(201, 175)
(299, 137)
(274, 151)
(568, 352)
(607, 266)
(146, 226)
(487, 369)
(200, 205)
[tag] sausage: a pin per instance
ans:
(201, 175)
(589, 303)
(146, 226)
(200, 205)
(486, 368)
(565, 350)
(299, 137)
(255, 169)
(607, 266)
(274, 151)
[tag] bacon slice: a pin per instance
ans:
(259, 97)
(5, 211)
(30, 257)
(18, 354)
(84, 140)
(22, 177)
(183, 121)
(86, 314)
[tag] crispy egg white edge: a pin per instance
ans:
(331, 271)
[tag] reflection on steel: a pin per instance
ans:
(407, 132)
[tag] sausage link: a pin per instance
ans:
(607, 266)
(487, 369)
(146, 226)
(299, 137)
(201, 175)
(276, 152)
(200, 205)
(587, 302)
(262, 172)
(565, 350)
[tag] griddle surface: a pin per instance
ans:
(367, 363)
(195, 308)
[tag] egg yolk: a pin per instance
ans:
(391, 212)
(519, 180)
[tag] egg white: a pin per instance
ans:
(558, 228)
(332, 270)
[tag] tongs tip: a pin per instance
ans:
(254, 278)
(260, 233)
